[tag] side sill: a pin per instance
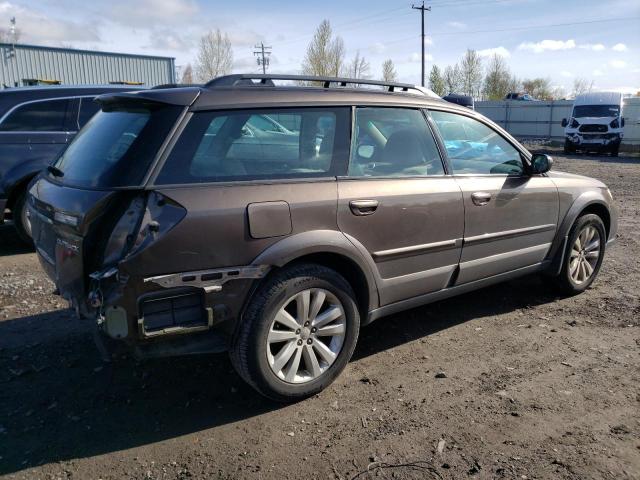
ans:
(451, 292)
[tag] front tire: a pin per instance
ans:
(583, 255)
(297, 333)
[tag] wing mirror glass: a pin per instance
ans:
(564, 122)
(366, 151)
(541, 163)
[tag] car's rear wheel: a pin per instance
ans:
(583, 255)
(21, 218)
(615, 150)
(568, 147)
(297, 334)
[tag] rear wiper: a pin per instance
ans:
(55, 171)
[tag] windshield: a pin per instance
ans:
(116, 147)
(596, 111)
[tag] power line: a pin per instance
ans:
(422, 9)
(262, 55)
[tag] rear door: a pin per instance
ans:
(398, 203)
(511, 216)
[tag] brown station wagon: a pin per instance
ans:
(273, 221)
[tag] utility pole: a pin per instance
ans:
(263, 54)
(422, 9)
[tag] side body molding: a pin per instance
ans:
(316, 242)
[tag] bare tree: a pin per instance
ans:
(436, 82)
(325, 54)
(389, 73)
(471, 71)
(215, 57)
(452, 79)
(539, 88)
(558, 93)
(359, 67)
(498, 79)
(187, 75)
(581, 85)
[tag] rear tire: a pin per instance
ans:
(568, 147)
(583, 255)
(615, 150)
(21, 219)
(287, 351)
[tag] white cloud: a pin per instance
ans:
(618, 63)
(428, 41)
(597, 73)
(36, 27)
(596, 47)
(566, 74)
(165, 39)
(459, 25)
(619, 47)
(417, 57)
(489, 52)
(545, 45)
(148, 13)
(378, 48)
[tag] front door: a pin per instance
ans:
(510, 216)
(398, 204)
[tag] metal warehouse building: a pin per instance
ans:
(24, 65)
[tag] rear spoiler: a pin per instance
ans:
(170, 96)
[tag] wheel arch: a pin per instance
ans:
(331, 249)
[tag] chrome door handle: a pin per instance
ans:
(363, 207)
(480, 198)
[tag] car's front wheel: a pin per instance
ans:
(297, 333)
(21, 218)
(583, 255)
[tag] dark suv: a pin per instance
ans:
(36, 125)
(274, 221)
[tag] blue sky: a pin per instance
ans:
(561, 40)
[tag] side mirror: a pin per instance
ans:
(622, 122)
(541, 163)
(564, 122)
(366, 151)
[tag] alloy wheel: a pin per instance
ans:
(306, 335)
(584, 255)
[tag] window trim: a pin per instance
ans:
(40, 100)
(422, 111)
(150, 182)
(525, 155)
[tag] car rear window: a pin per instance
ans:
(116, 147)
(259, 144)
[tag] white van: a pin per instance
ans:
(596, 123)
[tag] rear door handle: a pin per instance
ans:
(480, 198)
(363, 207)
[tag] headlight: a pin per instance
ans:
(574, 123)
(66, 219)
(615, 124)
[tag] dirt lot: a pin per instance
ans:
(536, 387)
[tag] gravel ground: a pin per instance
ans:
(534, 386)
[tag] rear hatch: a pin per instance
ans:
(78, 201)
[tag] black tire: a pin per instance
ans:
(568, 147)
(17, 214)
(615, 150)
(564, 281)
(249, 344)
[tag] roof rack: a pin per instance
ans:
(267, 80)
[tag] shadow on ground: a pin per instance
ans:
(58, 401)
(10, 242)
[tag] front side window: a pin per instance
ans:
(393, 142)
(245, 145)
(475, 148)
(45, 116)
(117, 146)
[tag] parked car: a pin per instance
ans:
(176, 240)
(525, 97)
(596, 123)
(36, 125)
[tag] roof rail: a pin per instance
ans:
(267, 80)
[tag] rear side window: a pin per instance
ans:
(45, 116)
(264, 144)
(475, 148)
(393, 142)
(117, 147)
